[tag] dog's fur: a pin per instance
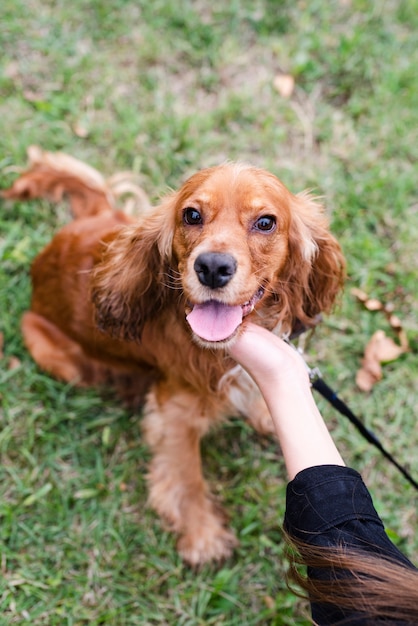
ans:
(111, 294)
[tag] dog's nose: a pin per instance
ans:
(215, 269)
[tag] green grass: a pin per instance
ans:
(164, 88)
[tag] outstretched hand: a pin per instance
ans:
(283, 379)
(269, 359)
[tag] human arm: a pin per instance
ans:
(282, 377)
(330, 517)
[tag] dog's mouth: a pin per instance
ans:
(215, 321)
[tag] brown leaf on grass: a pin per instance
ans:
(403, 339)
(365, 379)
(269, 602)
(284, 84)
(395, 322)
(13, 363)
(359, 294)
(80, 130)
(380, 349)
(372, 304)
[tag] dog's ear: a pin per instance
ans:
(130, 283)
(315, 271)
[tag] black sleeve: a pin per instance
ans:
(329, 505)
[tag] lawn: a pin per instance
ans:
(163, 89)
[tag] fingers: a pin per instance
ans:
(255, 348)
(263, 354)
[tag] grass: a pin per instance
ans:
(163, 89)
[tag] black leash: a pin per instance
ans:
(321, 386)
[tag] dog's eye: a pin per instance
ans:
(266, 223)
(192, 216)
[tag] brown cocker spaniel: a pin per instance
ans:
(149, 305)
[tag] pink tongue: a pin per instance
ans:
(214, 321)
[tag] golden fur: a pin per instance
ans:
(111, 295)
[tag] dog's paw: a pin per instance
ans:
(206, 546)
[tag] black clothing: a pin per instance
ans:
(329, 505)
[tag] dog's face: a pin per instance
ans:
(237, 243)
(231, 241)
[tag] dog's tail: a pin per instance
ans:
(54, 175)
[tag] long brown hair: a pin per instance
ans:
(372, 586)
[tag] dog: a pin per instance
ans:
(151, 304)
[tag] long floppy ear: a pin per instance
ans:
(315, 271)
(130, 284)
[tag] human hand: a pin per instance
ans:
(283, 379)
(269, 359)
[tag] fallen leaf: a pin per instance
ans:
(284, 84)
(403, 340)
(395, 322)
(380, 349)
(372, 304)
(385, 348)
(13, 363)
(269, 602)
(80, 130)
(359, 294)
(365, 380)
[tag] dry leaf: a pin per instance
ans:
(365, 379)
(269, 602)
(403, 340)
(389, 308)
(13, 363)
(386, 349)
(380, 349)
(1, 345)
(395, 322)
(359, 294)
(372, 304)
(80, 130)
(284, 84)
